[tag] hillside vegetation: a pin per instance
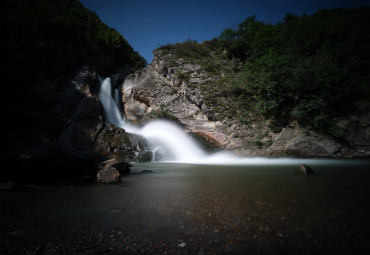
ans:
(43, 42)
(313, 70)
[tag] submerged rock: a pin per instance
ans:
(109, 175)
(304, 169)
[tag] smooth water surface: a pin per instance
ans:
(228, 208)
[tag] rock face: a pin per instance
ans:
(170, 87)
(173, 87)
(294, 142)
(113, 142)
(72, 137)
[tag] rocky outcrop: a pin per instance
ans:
(357, 134)
(172, 85)
(72, 138)
(300, 143)
(113, 142)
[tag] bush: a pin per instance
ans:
(189, 48)
(308, 69)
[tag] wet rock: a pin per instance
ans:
(114, 143)
(109, 175)
(304, 169)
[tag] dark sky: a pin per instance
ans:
(147, 24)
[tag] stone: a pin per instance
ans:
(304, 169)
(300, 143)
(114, 143)
(122, 167)
(109, 175)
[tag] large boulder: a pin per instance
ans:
(113, 142)
(300, 143)
(108, 175)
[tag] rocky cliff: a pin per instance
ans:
(176, 88)
(72, 138)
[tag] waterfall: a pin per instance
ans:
(168, 141)
(111, 110)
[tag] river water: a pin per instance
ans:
(228, 209)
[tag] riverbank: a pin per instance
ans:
(195, 209)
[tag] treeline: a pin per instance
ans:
(309, 69)
(45, 40)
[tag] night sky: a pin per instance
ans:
(147, 24)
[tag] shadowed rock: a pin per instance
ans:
(304, 169)
(122, 167)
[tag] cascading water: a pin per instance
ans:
(170, 143)
(167, 140)
(111, 110)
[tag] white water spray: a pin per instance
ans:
(170, 143)
(111, 110)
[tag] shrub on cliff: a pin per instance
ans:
(189, 48)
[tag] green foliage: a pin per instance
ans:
(309, 68)
(182, 76)
(189, 49)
